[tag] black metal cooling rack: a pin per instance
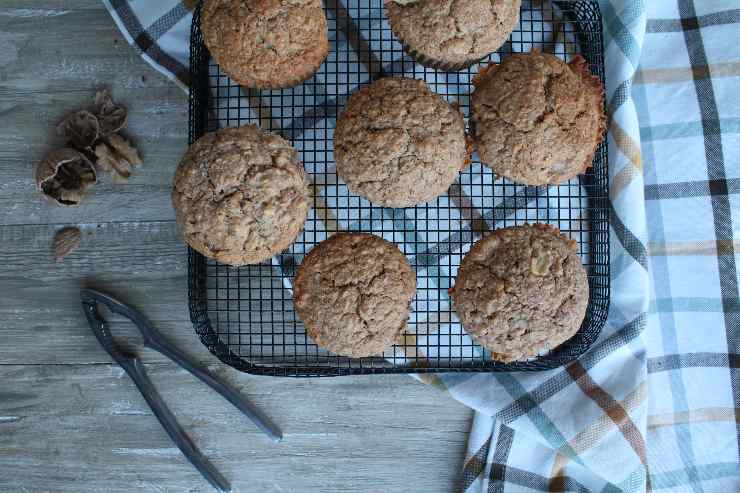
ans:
(245, 316)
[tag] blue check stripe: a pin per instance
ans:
(660, 274)
(693, 474)
(687, 129)
(616, 28)
(686, 304)
(549, 431)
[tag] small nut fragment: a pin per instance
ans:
(66, 240)
(124, 149)
(81, 129)
(111, 116)
(116, 155)
(64, 176)
(540, 264)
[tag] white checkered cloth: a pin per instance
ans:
(654, 404)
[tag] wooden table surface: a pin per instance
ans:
(70, 421)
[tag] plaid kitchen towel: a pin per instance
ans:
(654, 404)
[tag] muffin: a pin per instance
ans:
(353, 293)
(398, 144)
(240, 195)
(266, 43)
(452, 34)
(521, 291)
(537, 120)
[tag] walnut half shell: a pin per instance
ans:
(64, 176)
(81, 129)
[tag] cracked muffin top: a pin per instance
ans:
(353, 293)
(240, 195)
(536, 119)
(266, 43)
(398, 144)
(521, 291)
(452, 34)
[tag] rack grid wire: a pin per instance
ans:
(244, 315)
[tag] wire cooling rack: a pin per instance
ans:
(245, 315)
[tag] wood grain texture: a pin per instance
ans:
(86, 429)
(72, 422)
(56, 58)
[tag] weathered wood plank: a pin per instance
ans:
(70, 421)
(54, 58)
(142, 263)
(86, 429)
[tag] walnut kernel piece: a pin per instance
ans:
(540, 264)
(112, 117)
(81, 129)
(64, 176)
(124, 149)
(66, 240)
(116, 155)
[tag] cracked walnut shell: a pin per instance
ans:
(81, 129)
(241, 195)
(64, 176)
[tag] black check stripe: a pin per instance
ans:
(500, 456)
(355, 39)
(629, 241)
(520, 200)
(146, 44)
(475, 466)
(532, 481)
(721, 209)
(327, 109)
(692, 360)
(684, 189)
(167, 21)
(693, 22)
(621, 95)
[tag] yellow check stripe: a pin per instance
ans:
(710, 247)
(631, 150)
(323, 212)
(700, 415)
(686, 74)
(592, 434)
(410, 345)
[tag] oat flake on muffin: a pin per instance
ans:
(521, 291)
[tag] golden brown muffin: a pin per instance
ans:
(452, 34)
(536, 119)
(521, 291)
(241, 195)
(353, 293)
(398, 144)
(266, 43)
